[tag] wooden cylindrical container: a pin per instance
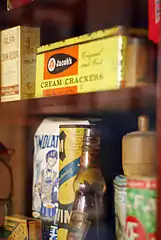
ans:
(139, 151)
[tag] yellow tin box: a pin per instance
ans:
(89, 63)
(20, 227)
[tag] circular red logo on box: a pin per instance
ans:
(135, 229)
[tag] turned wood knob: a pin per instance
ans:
(143, 123)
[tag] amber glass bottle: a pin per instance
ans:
(89, 186)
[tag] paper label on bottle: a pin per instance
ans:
(79, 226)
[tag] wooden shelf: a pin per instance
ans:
(26, 112)
(124, 99)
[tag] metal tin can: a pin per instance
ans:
(120, 206)
(71, 141)
(141, 208)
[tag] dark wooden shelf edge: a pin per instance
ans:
(81, 104)
(123, 99)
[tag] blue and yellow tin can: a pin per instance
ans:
(70, 149)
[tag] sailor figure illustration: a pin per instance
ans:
(36, 205)
(46, 188)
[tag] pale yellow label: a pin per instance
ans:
(18, 62)
(10, 64)
(87, 67)
(30, 42)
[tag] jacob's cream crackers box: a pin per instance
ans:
(89, 63)
(18, 62)
(46, 180)
(83, 64)
(22, 228)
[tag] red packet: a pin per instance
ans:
(154, 9)
(11, 4)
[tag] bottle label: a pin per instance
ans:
(78, 226)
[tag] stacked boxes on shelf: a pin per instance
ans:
(104, 60)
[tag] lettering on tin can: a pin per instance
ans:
(64, 215)
(50, 232)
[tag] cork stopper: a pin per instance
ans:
(143, 123)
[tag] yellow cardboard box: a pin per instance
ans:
(18, 62)
(22, 228)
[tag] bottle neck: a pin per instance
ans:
(91, 149)
(90, 158)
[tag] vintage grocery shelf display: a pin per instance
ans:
(79, 113)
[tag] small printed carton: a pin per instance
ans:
(18, 62)
(20, 227)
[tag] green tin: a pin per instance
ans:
(141, 197)
(120, 206)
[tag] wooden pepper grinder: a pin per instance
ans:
(139, 151)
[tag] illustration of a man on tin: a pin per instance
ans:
(47, 187)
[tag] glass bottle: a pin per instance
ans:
(89, 186)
